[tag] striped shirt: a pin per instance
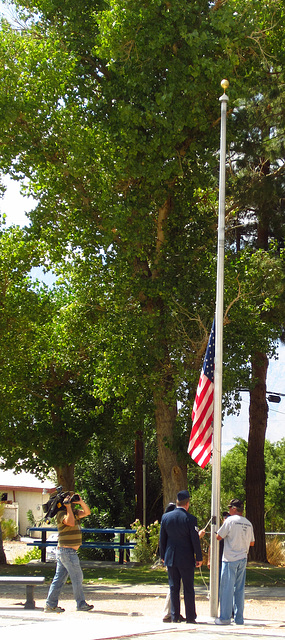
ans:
(68, 536)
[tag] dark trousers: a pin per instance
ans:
(175, 575)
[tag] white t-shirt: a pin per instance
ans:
(237, 533)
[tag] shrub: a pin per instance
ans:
(33, 554)
(147, 539)
(31, 518)
(9, 529)
(275, 552)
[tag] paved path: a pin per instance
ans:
(131, 612)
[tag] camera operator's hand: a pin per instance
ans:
(84, 511)
(68, 501)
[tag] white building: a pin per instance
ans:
(23, 492)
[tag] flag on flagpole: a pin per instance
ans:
(200, 442)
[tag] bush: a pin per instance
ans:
(9, 529)
(31, 518)
(33, 554)
(147, 539)
(275, 552)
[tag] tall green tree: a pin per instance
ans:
(258, 188)
(110, 111)
(49, 404)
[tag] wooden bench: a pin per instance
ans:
(122, 545)
(30, 582)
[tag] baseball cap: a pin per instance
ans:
(236, 503)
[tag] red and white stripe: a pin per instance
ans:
(200, 442)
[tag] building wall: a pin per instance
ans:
(11, 512)
(26, 499)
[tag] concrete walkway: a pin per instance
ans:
(130, 617)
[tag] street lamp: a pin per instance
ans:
(271, 395)
(274, 398)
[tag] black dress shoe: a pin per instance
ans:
(181, 618)
(176, 620)
(166, 619)
(191, 622)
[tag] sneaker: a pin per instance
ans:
(49, 609)
(86, 607)
(219, 621)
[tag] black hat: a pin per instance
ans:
(183, 495)
(236, 503)
(170, 507)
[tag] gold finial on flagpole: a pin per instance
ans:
(225, 84)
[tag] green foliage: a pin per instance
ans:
(107, 479)
(110, 113)
(47, 383)
(275, 485)
(233, 469)
(147, 541)
(200, 488)
(31, 518)
(9, 529)
(233, 473)
(33, 554)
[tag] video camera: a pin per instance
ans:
(56, 503)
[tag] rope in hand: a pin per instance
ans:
(205, 583)
(208, 523)
(200, 568)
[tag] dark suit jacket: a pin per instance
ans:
(179, 539)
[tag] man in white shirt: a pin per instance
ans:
(238, 536)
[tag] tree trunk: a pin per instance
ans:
(65, 477)
(255, 467)
(174, 475)
(3, 559)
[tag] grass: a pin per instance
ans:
(265, 575)
(257, 575)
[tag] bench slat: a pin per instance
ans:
(86, 545)
(114, 545)
(22, 580)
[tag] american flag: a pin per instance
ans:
(200, 442)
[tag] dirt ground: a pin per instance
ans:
(140, 600)
(14, 549)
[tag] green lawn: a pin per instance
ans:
(257, 575)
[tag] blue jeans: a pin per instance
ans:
(67, 564)
(232, 590)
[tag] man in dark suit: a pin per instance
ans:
(180, 551)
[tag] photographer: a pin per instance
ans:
(69, 541)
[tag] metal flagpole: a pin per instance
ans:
(216, 462)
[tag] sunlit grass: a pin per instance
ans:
(257, 575)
